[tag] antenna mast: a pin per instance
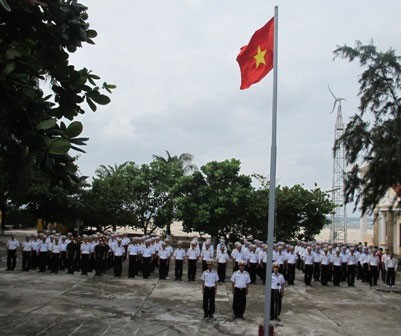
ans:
(338, 232)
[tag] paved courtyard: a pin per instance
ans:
(62, 304)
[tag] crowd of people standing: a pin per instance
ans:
(321, 262)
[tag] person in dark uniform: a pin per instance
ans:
(240, 284)
(100, 254)
(71, 255)
(209, 289)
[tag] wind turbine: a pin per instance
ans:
(336, 100)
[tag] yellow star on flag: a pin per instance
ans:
(260, 57)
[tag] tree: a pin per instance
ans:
(215, 199)
(170, 169)
(372, 136)
(37, 129)
(300, 213)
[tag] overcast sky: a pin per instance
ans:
(174, 64)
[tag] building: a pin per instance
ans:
(387, 221)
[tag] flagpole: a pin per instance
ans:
(272, 191)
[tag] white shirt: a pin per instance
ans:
(85, 248)
(192, 254)
(147, 252)
(210, 278)
(240, 280)
(179, 254)
(337, 260)
(12, 244)
(277, 281)
(352, 259)
(132, 249)
(43, 247)
(325, 259)
(27, 246)
(222, 257)
(253, 257)
(308, 259)
(56, 248)
(373, 260)
(164, 254)
(292, 258)
(119, 250)
(391, 263)
(206, 254)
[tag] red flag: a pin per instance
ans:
(256, 59)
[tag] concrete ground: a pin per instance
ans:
(63, 304)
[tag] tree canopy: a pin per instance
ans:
(372, 136)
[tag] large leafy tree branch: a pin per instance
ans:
(37, 126)
(372, 137)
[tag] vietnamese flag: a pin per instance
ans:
(256, 59)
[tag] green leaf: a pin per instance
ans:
(91, 33)
(5, 5)
(91, 104)
(46, 124)
(9, 67)
(59, 146)
(74, 129)
(101, 99)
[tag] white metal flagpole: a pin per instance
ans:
(272, 191)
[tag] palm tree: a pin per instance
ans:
(185, 165)
(184, 161)
(108, 171)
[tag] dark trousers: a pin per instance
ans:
(84, 263)
(316, 271)
(373, 275)
(118, 266)
(146, 267)
(99, 266)
(191, 269)
(70, 264)
(178, 269)
(359, 271)
(275, 303)
(263, 272)
(291, 273)
(336, 275)
(383, 273)
(324, 276)
(351, 275)
(55, 259)
(252, 272)
(221, 271)
(63, 260)
(11, 259)
(163, 268)
(390, 276)
(209, 294)
(365, 273)
(204, 265)
(34, 260)
(133, 266)
(239, 301)
(299, 262)
(344, 272)
(26, 261)
(308, 274)
(42, 261)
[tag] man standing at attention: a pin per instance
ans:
(240, 284)
(209, 289)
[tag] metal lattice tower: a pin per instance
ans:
(338, 232)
